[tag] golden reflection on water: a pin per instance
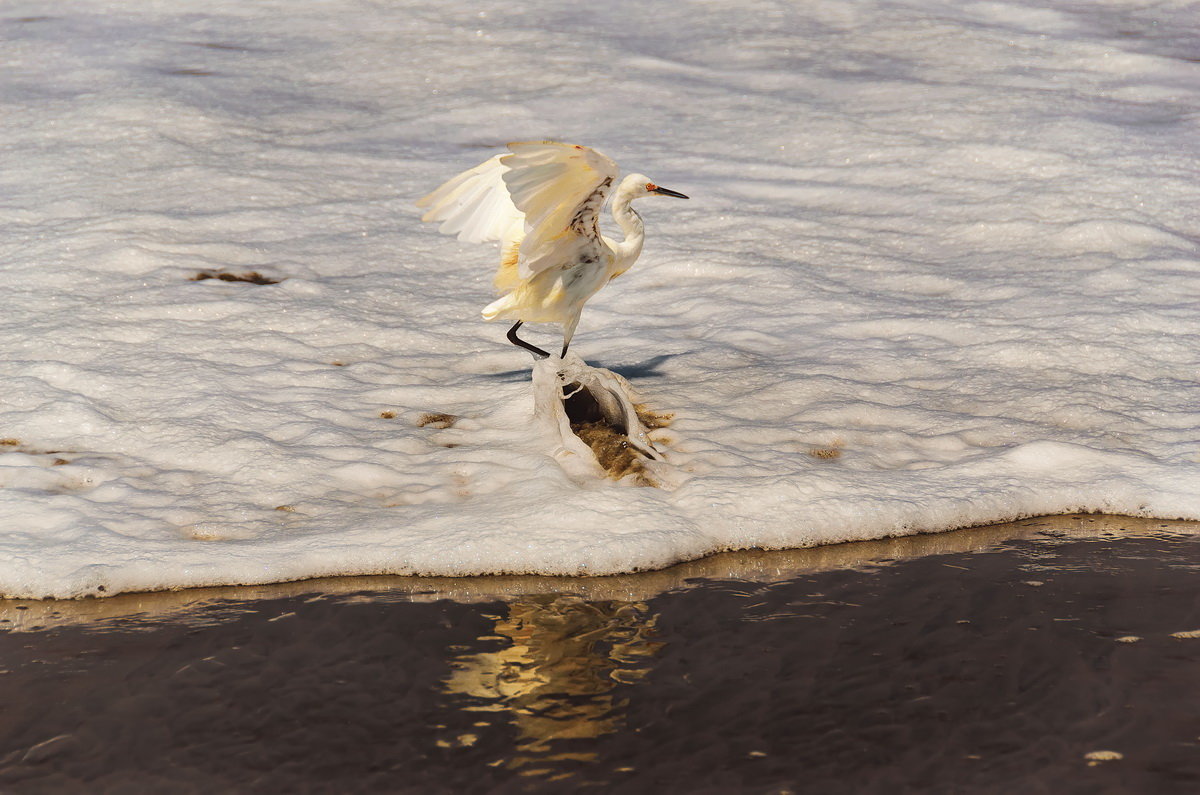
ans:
(553, 680)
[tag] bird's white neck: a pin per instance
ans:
(630, 223)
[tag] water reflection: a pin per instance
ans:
(556, 676)
(791, 673)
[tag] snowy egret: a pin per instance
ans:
(542, 201)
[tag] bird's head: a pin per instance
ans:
(642, 186)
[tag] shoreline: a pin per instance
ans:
(1042, 656)
(753, 565)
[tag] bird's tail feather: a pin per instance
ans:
(501, 307)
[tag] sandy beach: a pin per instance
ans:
(1050, 655)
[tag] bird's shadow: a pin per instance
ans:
(511, 376)
(648, 368)
(643, 369)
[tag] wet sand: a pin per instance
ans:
(1050, 655)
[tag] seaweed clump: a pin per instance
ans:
(252, 277)
(607, 433)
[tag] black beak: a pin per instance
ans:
(668, 192)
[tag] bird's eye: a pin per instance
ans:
(650, 186)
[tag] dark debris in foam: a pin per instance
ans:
(250, 277)
(10, 445)
(432, 419)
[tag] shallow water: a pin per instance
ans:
(989, 660)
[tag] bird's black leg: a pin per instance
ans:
(515, 340)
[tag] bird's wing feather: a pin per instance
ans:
(475, 205)
(560, 188)
(541, 200)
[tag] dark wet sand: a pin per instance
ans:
(991, 660)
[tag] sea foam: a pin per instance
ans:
(939, 269)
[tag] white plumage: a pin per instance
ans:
(542, 201)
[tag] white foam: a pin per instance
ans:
(939, 269)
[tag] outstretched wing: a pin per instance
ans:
(560, 188)
(541, 200)
(475, 205)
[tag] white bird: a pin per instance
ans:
(542, 201)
